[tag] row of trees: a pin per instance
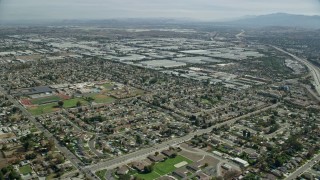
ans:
(9, 173)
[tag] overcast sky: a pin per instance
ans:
(189, 9)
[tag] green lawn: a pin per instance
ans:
(163, 168)
(168, 166)
(149, 176)
(107, 85)
(70, 103)
(100, 98)
(101, 174)
(51, 107)
(25, 169)
(44, 100)
(209, 101)
(205, 101)
(43, 109)
(139, 92)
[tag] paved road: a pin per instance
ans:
(314, 94)
(93, 149)
(240, 35)
(143, 153)
(138, 155)
(282, 129)
(315, 71)
(304, 168)
(69, 155)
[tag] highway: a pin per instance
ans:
(315, 71)
(304, 168)
(69, 155)
(143, 153)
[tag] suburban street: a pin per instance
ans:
(143, 153)
(69, 155)
(304, 168)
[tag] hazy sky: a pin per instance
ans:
(189, 9)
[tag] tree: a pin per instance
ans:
(156, 153)
(219, 97)
(294, 143)
(4, 147)
(280, 160)
(148, 169)
(125, 177)
(231, 174)
(60, 159)
(173, 155)
(250, 176)
(49, 156)
(27, 146)
(244, 133)
(139, 139)
(248, 134)
(31, 156)
(79, 104)
(14, 175)
(89, 99)
(50, 145)
(60, 104)
(311, 152)
(193, 118)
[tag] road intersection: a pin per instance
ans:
(143, 153)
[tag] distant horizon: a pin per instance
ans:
(200, 10)
(148, 18)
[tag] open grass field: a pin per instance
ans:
(52, 107)
(163, 168)
(43, 109)
(149, 176)
(70, 103)
(100, 98)
(45, 100)
(168, 166)
(139, 92)
(108, 85)
(25, 169)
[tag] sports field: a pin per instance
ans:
(101, 98)
(70, 103)
(43, 109)
(44, 100)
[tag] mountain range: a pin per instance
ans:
(278, 19)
